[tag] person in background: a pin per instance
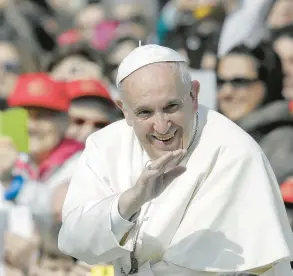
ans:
(91, 108)
(13, 61)
(283, 43)
(116, 52)
(44, 173)
(88, 18)
(76, 61)
(250, 82)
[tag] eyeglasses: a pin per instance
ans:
(96, 124)
(237, 82)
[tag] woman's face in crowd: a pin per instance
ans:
(10, 67)
(283, 46)
(239, 88)
(76, 68)
(68, 6)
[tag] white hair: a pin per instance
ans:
(182, 69)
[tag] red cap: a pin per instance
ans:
(287, 191)
(39, 90)
(83, 88)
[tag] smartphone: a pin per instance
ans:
(14, 124)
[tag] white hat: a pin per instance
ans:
(144, 55)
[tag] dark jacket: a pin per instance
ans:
(272, 127)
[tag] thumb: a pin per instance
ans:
(174, 173)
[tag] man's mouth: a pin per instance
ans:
(165, 138)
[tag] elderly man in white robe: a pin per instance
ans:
(175, 188)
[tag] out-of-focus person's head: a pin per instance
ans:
(136, 27)
(117, 51)
(75, 62)
(14, 60)
(66, 6)
(125, 10)
(283, 45)
(10, 67)
(91, 108)
(47, 105)
(158, 98)
(88, 18)
(248, 79)
(281, 14)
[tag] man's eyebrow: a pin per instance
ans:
(144, 107)
(140, 108)
(174, 101)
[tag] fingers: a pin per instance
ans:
(177, 157)
(165, 160)
(159, 163)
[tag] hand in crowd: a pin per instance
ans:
(8, 155)
(152, 182)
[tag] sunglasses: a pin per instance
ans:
(237, 82)
(96, 124)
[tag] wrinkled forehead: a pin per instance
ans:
(152, 77)
(160, 83)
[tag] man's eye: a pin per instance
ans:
(143, 114)
(172, 108)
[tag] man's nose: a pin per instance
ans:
(161, 123)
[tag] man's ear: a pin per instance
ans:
(194, 93)
(123, 108)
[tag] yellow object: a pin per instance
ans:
(100, 270)
(202, 11)
(14, 124)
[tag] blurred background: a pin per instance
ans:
(58, 64)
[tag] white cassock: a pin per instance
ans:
(224, 214)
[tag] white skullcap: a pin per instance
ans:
(144, 55)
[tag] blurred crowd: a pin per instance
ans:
(58, 61)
